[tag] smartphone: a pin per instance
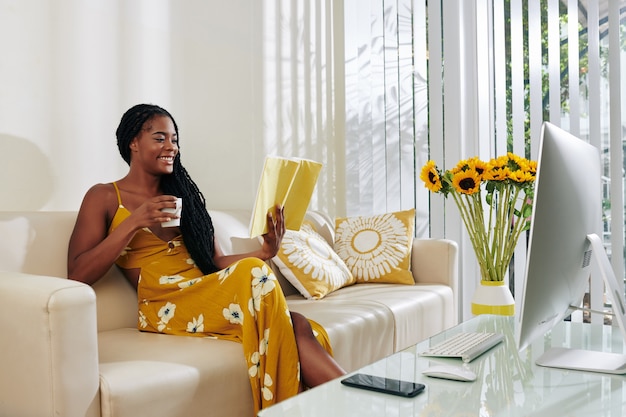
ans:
(386, 385)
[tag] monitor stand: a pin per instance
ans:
(593, 361)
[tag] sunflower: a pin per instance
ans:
(478, 165)
(521, 176)
(496, 171)
(461, 166)
(430, 176)
(466, 182)
(508, 195)
(532, 168)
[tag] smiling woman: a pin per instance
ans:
(186, 285)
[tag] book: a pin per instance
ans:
(287, 182)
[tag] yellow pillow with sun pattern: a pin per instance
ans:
(309, 263)
(377, 248)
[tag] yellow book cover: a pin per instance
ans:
(288, 182)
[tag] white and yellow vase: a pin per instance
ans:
(493, 297)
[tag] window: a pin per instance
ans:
(447, 80)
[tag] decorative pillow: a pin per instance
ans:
(377, 248)
(309, 263)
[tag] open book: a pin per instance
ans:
(287, 182)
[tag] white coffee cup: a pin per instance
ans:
(176, 211)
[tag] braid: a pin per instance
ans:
(195, 223)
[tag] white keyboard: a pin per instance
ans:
(467, 346)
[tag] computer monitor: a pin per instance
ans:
(564, 241)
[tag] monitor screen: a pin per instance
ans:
(567, 207)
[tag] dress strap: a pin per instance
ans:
(119, 197)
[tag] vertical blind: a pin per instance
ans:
(300, 44)
(450, 79)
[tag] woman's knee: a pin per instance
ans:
(301, 324)
(256, 272)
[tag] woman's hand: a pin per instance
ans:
(269, 247)
(276, 231)
(149, 213)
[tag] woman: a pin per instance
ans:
(185, 284)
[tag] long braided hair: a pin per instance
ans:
(195, 223)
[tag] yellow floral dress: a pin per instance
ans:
(242, 303)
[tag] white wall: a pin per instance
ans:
(70, 68)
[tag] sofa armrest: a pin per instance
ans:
(435, 261)
(48, 347)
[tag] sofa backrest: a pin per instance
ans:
(36, 243)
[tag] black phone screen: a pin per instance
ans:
(386, 385)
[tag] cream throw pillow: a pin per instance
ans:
(309, 263)
(377, 248)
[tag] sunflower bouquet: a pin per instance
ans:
(506, 186)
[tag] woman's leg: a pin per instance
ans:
(316, 365)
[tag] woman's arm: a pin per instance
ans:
(91, 250)
(269, 248)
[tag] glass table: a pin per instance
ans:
(509, 383)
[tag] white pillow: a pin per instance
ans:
(309, 263)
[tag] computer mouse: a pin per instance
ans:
(456, 373)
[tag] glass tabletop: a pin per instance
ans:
(509, 382)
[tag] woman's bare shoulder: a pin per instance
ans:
(102, 189)
(100, 198)
(101, 192)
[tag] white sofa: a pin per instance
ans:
(67, 349)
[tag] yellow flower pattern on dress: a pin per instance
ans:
(143, 323)
(262, 283)
(233, 314)
(225, 273)
(189, 283)
(170, 279)
(196, 325)
(165, 314)
(268, 395)
(255, 364)
(264, 342)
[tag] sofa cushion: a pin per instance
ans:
(310, 264)
(152, 388)
(161, 375)
(377, 248)
(360, 331)
(417, 312)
